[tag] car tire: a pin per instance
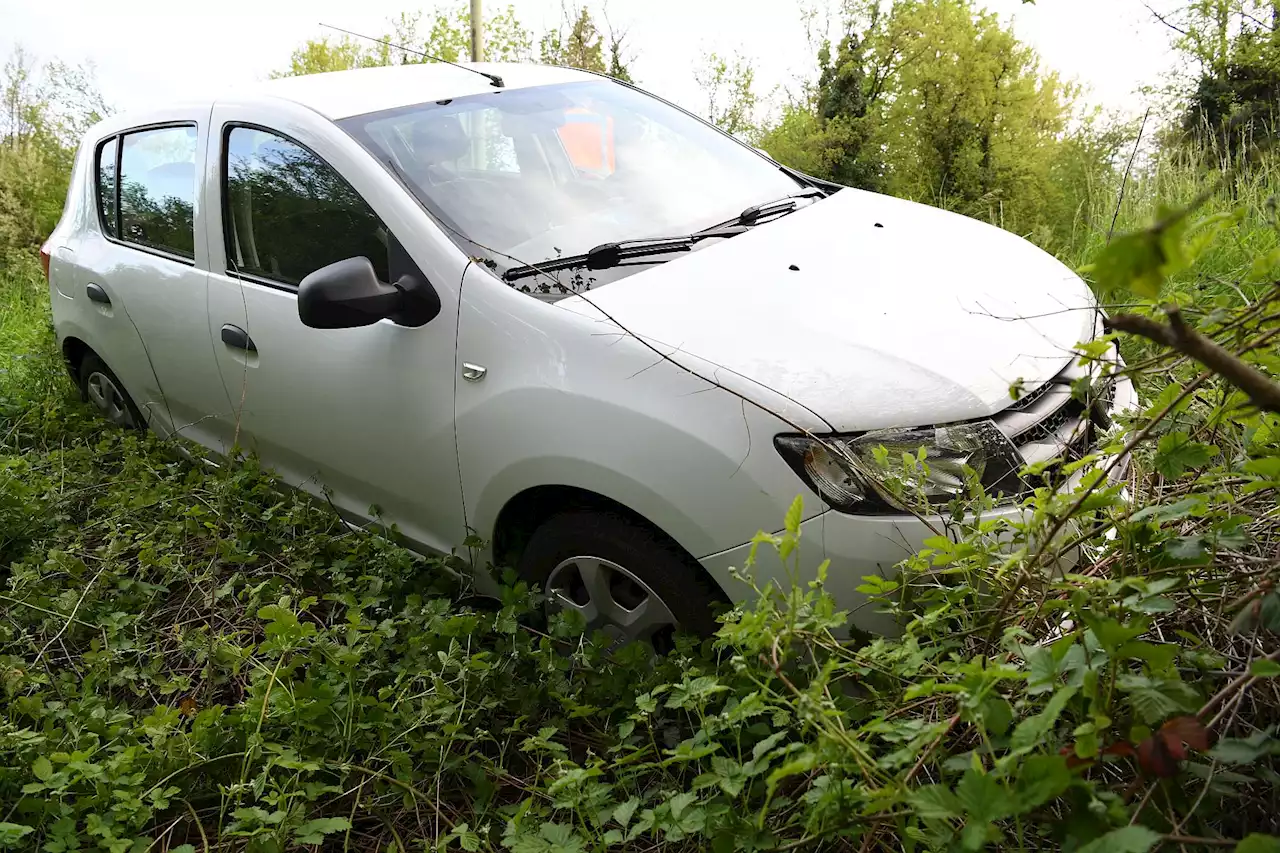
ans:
(100, 388)
(625, 578)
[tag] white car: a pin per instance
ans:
(548, 308)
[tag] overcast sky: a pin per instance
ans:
(147, 50)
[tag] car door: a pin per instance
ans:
(143, 272)
(363, 415)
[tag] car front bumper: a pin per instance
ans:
(862, 546)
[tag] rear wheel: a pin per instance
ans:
(101, 389)
(622, 577)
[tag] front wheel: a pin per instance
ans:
(622, 577)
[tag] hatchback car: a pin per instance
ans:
(549, 308)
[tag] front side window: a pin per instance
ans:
(157, 173)
(106, 171)
(523, 176)
(287, 213)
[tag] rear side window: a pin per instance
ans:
(157, 174)
(287, 213)
(107, 198)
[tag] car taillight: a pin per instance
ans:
(44, 260)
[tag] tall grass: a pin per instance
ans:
(1176, 176)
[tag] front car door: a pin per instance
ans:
(363, 415)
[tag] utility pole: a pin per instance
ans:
(477, 32)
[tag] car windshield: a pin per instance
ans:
(522, 176)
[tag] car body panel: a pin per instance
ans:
(870, 311)
(569, 400)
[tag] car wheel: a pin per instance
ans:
(622, 577)
(100, 387)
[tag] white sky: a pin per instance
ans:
(146, 50)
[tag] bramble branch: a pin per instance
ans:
(1178, 336)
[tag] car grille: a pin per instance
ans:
(1050, 423)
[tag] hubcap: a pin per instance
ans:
(108, 399)
(612, 600)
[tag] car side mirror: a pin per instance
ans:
(347, 294)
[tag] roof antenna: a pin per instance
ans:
(493, 78)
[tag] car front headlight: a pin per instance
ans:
(852, 474)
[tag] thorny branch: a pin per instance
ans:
(1177, 335)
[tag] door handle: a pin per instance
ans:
(234, 336)
(97, 294)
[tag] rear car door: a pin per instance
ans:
(363, 415)
(142, 271)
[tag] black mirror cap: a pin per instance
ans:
(347, 294)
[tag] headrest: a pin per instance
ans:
(439, 139)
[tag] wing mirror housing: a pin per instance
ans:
(347, 294)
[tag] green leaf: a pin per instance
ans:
(1143, 260)
(680, 802)
(314, 831)
(1258, 843)
(982, 797)
(1177, 453)
(1245, 750)
(1111, 634)
(934, 802)
(622, 814)
(730, 775)
(12, 833)
(1040, 779)
(1130, 839)
(1184, 508)
(1264, 668)
(792, 520)
(42, 768)
(802, 763)
(1033, 730)
(1156, 699)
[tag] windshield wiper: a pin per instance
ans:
(609, 255)
(786, 204)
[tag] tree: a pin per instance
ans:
(937, 101)
(45, 111)
(728, 84)
(1234, 46)
(448, 37)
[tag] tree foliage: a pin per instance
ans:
(1234, 48)
(936, 100)
(729, 85)
(446, 33)
(44, 109)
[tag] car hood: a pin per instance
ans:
(866, 310)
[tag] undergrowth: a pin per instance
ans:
(192, 660)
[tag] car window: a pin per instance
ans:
(287, 213)
(106, 169)
(158, 189)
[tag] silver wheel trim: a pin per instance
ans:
(108, 399)
(602, 611)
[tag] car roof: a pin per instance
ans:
(339, 94)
